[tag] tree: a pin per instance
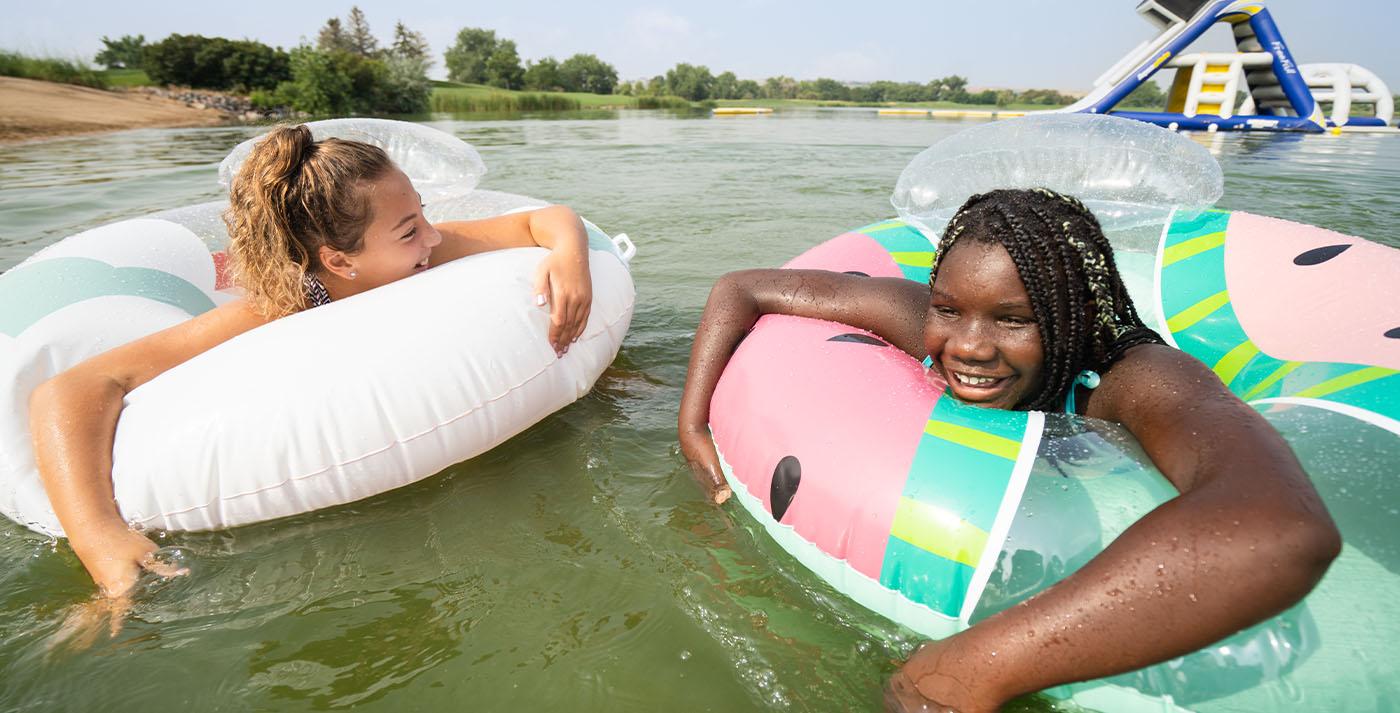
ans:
(587, 73)
(503, 67)
(543, 75)
(827, 90)
(411, 44)
(405, 89)
(466, 59)
(332, 37)
(215, 63)
(748, 89)
(358, 37)
(122, 53)
(1148, 95)
(250, 65)
(780, 87)
(726, 86)
(690, 82)
(954, 89)
(656, 86)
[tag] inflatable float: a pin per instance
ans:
(319, 408)
(937, 514)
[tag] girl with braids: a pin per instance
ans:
(1026, 310)
(310, 222)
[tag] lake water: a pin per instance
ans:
(576, 566)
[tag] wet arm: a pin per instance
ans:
(555, 227)
(891, 308)
(73, 419)
(1247, 538)
(562, 281)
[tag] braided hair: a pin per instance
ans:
(1086, 318)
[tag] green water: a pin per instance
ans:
(575, 566)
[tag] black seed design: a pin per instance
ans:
(857, 273)
(858, 339)
(1317, 256)
(786, 477)
(1394, 333)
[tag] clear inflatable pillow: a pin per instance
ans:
(1129, 173)
(440, 165)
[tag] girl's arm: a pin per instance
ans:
(563, 279)
(1247, 538)
(73, 419)
(891, 308)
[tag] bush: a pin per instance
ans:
(405, 88)
(662, 102)
(340, 82)
(216, 63)
(467, 102)
(587, 73)
(14, 64)
(123, 53)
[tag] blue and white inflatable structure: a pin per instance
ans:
(1278, 93)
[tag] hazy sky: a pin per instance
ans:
(1013, 43)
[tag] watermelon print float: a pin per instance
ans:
(937, 514)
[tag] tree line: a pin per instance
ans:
(347, 70)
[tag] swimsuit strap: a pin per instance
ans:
(316, 294)
(1089, 379)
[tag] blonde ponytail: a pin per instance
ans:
(292, 196)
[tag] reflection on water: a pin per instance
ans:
(575, 566)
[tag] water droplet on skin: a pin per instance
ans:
(1193, 597)
(685, 655)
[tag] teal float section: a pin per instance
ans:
(31, 292)
(909, 249)
(838, 573)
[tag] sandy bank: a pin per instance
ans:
(31, 109)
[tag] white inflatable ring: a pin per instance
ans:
(320, 408)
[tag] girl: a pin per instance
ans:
(310, 222)
(1025, 309)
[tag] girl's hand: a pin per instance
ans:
(116, 559)
(698, 447)
(927, 683)
(564, 283)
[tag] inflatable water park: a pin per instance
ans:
(1258, 87)
(937, 514)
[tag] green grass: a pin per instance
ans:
(811, 103)
(455, 97)
(50, 69)
(127, 78)
(458, 101)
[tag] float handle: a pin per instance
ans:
(626, 249)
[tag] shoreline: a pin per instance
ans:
(36, 110)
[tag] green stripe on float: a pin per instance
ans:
(35, 291)
(1272, 379)
(938, 531)
(1192, 247)
(914, 259)
(887, 225)
(1197, 312)
(1345, 381)
(1234, 360)
(975, 439)
(921, 576)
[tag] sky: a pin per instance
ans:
(1016, 44)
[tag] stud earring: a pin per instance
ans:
(353, 274)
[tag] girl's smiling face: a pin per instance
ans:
(981, 331)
